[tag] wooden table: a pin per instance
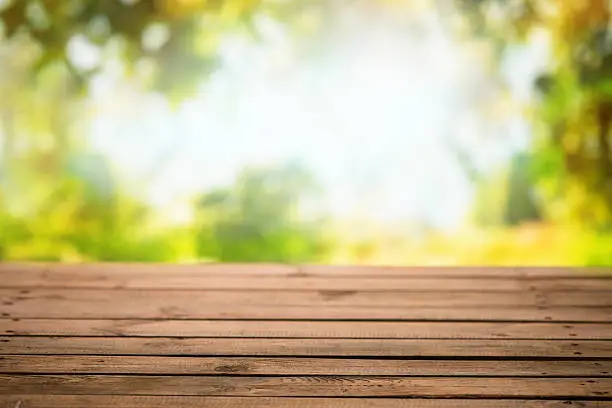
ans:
(113, 335)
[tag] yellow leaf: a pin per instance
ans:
(179, 8)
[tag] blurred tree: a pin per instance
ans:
(506, 196)
(573, 154)
(490, 198)
(61, 201)
(521, 205)
(178, 40)
(258, 218)
(58, 199)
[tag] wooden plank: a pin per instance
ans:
(263, 269)
(124, 401)
(305, 347)
(315, 312)
(303, 329)
(319, 386)
(179, 281)
(297, 366)
(120, 268)
(182, 280)
(197, 299)
(455, 271)
(73, 303)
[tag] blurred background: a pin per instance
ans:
(406, 132)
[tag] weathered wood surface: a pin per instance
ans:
(108, 401)
(190, 280)
(141, 335)
(194, 300)
(288, 386)
(303, 366)
(595, 306)
(305, 329)
(407, 348)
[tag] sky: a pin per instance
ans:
(370, 120)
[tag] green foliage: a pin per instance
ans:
(490, 199)
(61, 201)
(77, 218)
(54, 25)
(178, 39)
(255, 220)
(521, 205)
(258, 219)
(506, 198)
(572, 153)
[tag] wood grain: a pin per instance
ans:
(303, 329)
(320, 312)
(190, 280)
(297, 366)
(455, 271)
(316, 386)
(196, 299)
(123, 401)
(305, 347)
(222, 335)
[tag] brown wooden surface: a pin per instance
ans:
(218, 335)
(594, 306)
(108, 401)
(305, 329)
(304, 366)
(191, 280)
(288, 386)
(196, 299)
(420, 348)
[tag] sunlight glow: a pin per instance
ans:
(370, 120)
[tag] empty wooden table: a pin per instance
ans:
(220, 335)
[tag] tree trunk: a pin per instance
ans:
(604, 117)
